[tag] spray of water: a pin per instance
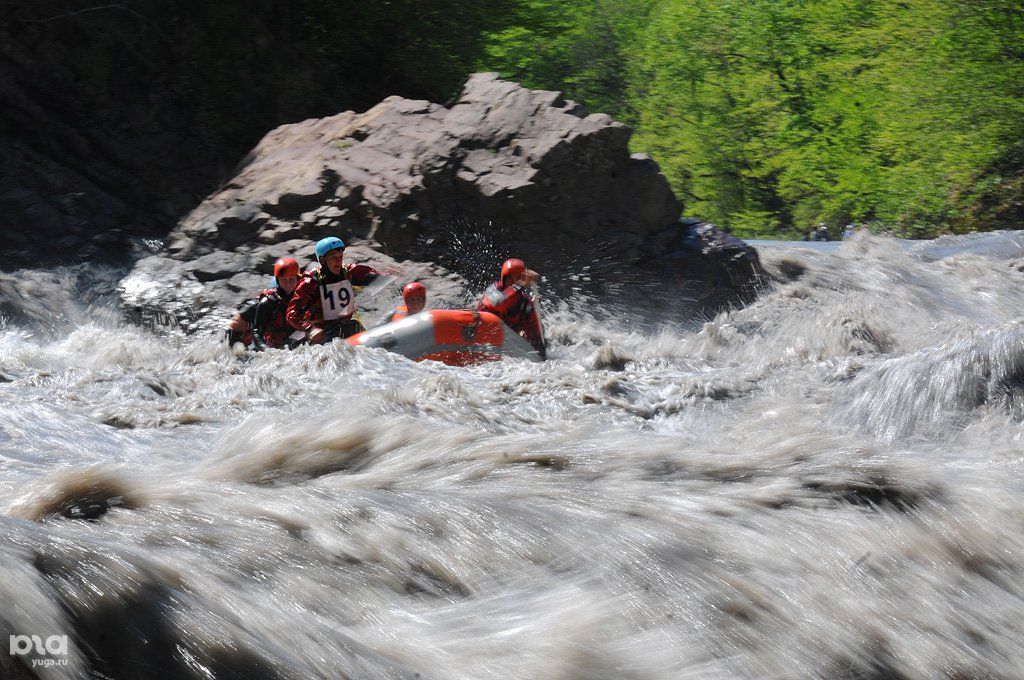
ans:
(823, 483)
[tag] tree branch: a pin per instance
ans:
(83, 11)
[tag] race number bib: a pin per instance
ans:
(337, 300)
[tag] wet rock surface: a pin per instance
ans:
(200, 294)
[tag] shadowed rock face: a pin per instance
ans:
(80, 181)
(532, 171)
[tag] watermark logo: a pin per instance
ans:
(53, 651)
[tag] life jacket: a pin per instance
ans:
(275, 328)
(337, 297)
(321, 300)
(515, 307)
(313, 291)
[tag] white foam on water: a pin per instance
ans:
(825, 483)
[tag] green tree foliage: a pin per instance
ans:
(771, 115)
(583, 48)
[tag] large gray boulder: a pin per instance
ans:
(520, 171)
(504, 157)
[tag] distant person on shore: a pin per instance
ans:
(511, 301)
(324, 302)
(820, 233)
(261, 323)
(414, 295)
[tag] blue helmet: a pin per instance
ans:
(326, 245)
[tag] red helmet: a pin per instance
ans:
(286, 266)
(512, 269)
(415, 295)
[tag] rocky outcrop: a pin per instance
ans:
(503, 158)
(504, 170)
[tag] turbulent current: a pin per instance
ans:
(825, 483)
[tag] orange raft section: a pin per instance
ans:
(455, 337)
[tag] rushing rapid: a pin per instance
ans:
(824, 483)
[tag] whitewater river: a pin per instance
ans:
(824, 484)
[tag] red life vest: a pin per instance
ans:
(305, 309)
(275, 328)
(514, 306)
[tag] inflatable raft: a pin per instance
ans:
(454, 337)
